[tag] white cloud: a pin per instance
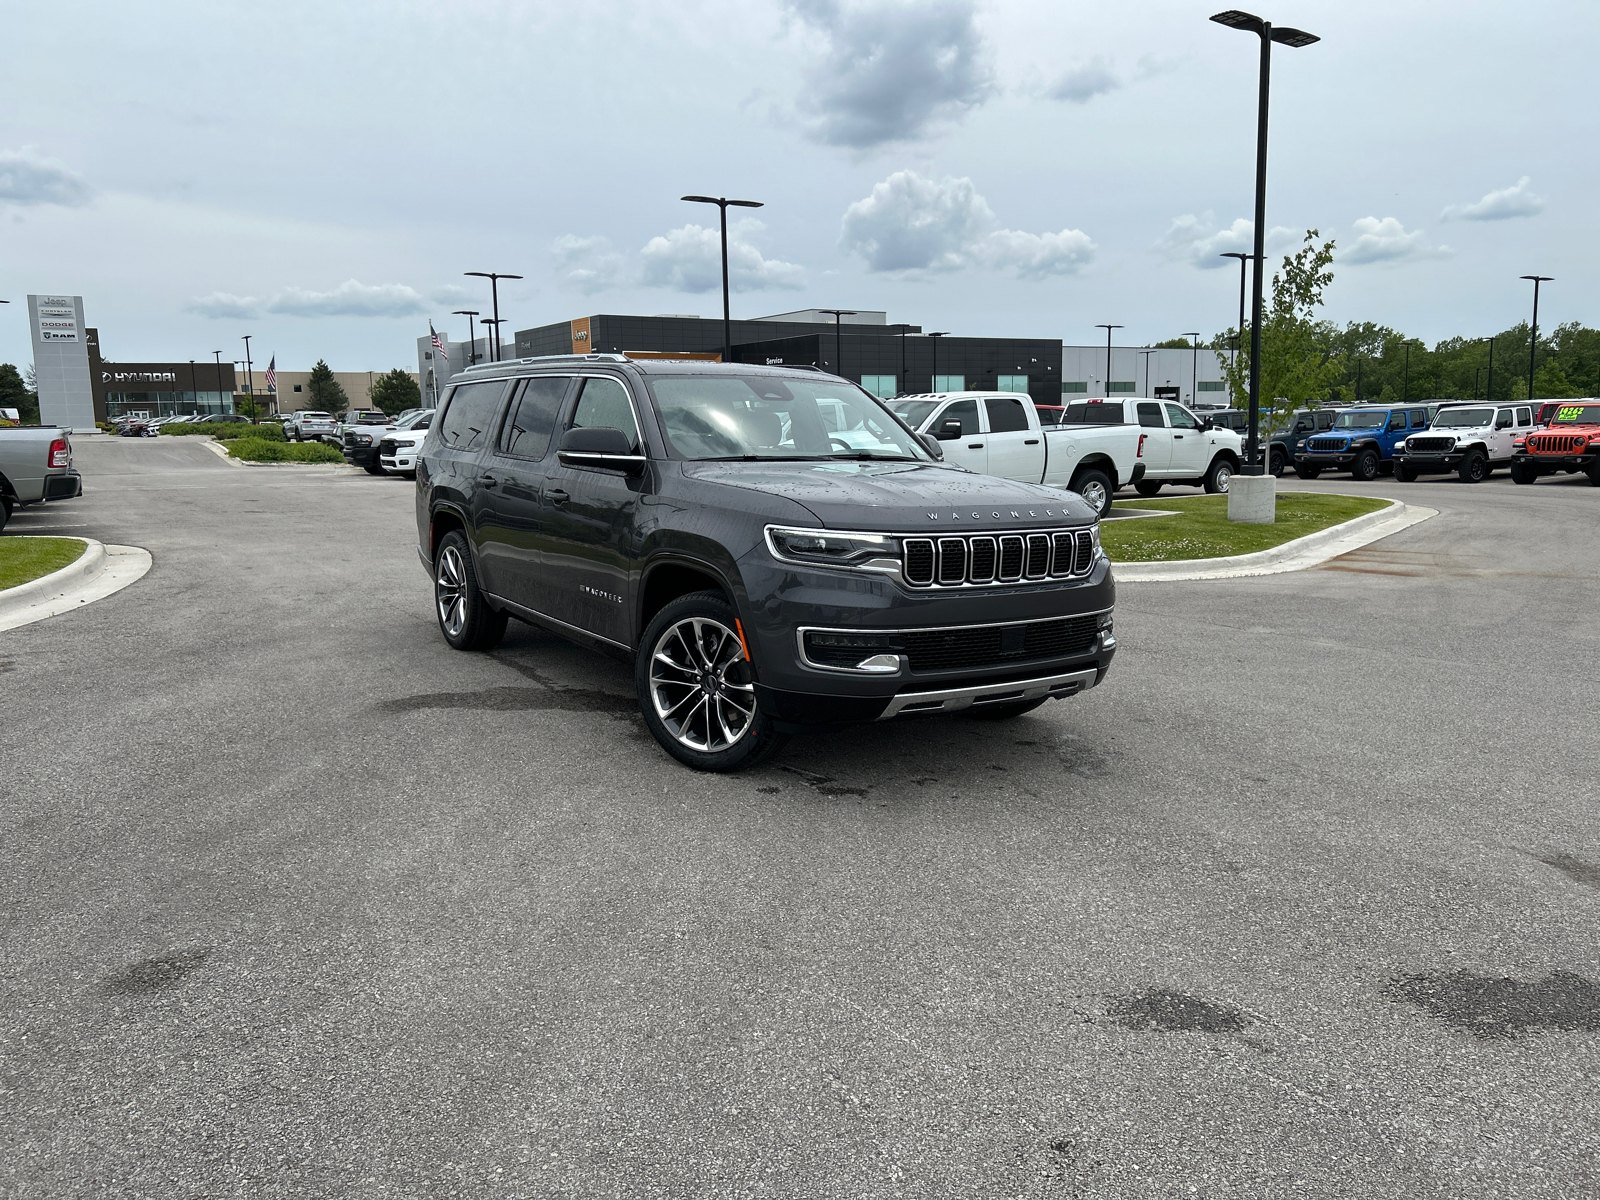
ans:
(1387, 240)
(225, 304)
(350, 299)
(588, 264)
(889, 70)
(28, 177)
(911, 224)
(1196, 241)
(450, 293)
(1085, 81)
(689, 259)
(1515, 201)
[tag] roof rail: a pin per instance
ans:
(542, 358)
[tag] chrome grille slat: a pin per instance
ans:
(988, 559)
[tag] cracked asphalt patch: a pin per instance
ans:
(1163, 1011)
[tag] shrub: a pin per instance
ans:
(265, 450)
(226, 430)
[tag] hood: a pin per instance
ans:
(902, 497)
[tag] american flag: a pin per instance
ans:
(272, 374)
(439, 347)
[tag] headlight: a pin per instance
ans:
(1094, 536)
(363, 439)
(871, 550)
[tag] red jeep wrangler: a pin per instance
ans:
(1570, 443)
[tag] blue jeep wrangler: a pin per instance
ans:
(1361, 441)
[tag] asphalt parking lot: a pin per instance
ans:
(300, 902)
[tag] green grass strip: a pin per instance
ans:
(23, 559)
(1201, 529)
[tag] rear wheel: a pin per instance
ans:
(1405, 472)
(1094, 487)
(1147, 487)
(465, 619)
(1473, 469)
(1219, 476)
(1365, 467)
(697, 689)
(1004, 712)
(1277, 463)
(1307, 472)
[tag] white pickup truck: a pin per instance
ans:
(1100, 447)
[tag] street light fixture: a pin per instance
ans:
(1533, 340)
(1108, 329)
(1194, 384)
(933, 381)
(494, 278)
(839, 314)
(472, 338)
(722, 203)
(1294, 38)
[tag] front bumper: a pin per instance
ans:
(1326, 462)
(405, 461)
(1448, 461)
(1556, 462)
(360, 456)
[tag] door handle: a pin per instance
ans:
(974, 445)
(488, 481)
(1177, 437)
(557, 496)
(1031, 442)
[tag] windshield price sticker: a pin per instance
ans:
(1569, 412)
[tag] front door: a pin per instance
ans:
(1191, 452)
(970, 450)
(587, 520)
(1016, 449)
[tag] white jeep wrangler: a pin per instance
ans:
(1469, 439)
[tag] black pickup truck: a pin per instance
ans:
(769, 547)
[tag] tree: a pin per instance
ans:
(1298, 362)
(324, 391)
(395, 391)
(14, 393)
(1177, 343)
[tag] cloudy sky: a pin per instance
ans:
(319, 175)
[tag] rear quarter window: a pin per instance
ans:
(469, 413)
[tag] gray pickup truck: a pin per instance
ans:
(35, 465)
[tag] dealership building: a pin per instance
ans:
(887, 359)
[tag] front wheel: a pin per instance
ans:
(1307, 472)
(1523, 473)
(1147, 487)
(1277, 464)
(697, 688)
(373, 468)
(1365, 467)
(1095, 488)
(1405, 472)
(1219, 476)
(465, 618)
(1474, 469)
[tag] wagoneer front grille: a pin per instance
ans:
(997, 558)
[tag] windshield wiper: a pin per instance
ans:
(869, 456)
(763, 458)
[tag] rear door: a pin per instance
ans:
(511, 480)
(454, 457)
(1016, 448)
(970, 450)
(586, 541)
(1190, 451)
(1155, 439)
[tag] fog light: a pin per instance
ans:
(881, 664)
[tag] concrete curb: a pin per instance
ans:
(1309, 551)
(100, 571)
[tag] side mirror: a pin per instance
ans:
(949, 430)
(931, 445)
(1207, 425)
(609, 449)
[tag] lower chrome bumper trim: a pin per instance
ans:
(1017, 691)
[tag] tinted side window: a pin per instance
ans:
(1419, 419)
(1324, 420)
(1302, 423)
(965, 411)
(465, 425)
(1502, 419)
(603, 404)
(1150, 416)
(1180, 418)
(1006, 415)
(1397, 421)
(1524, 417)
(532, 418)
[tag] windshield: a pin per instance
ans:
(415, 420)
(1360, 420)
(1577, 414)
(752, 416)
(1093, 413)
(912, 412)
(1463, 418)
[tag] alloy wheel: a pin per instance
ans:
(699, 687)
(450, 591)
(1095, 493)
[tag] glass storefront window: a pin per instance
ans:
(949, 383)
(881, 386)
(1013, 383)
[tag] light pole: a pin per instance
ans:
(1488, 386)
(904, 329)
(1533, 340)
(472, 338)
(1294, 38)
(1477, 374)
(1108, 329)
(839, 314)
(1405, 395)
(249, 377)
(1194, 377)
(1238, 330)
(218, 354)
(494, 278)
(933, 380)
(194, 386)
(722, 203)
(493, 337)
(1145, 354)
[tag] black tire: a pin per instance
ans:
(465, 619)
(701, 632)
(1277, 463)
(1147, 487)
(1307, 472)
(373, 468)
(1594, 474)
(1095, 487)
(1523, 472)
(1365, 467)
(5, 510)
(1405, 472)
(1473, 469)
(1004, 712)
(1218, 476)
